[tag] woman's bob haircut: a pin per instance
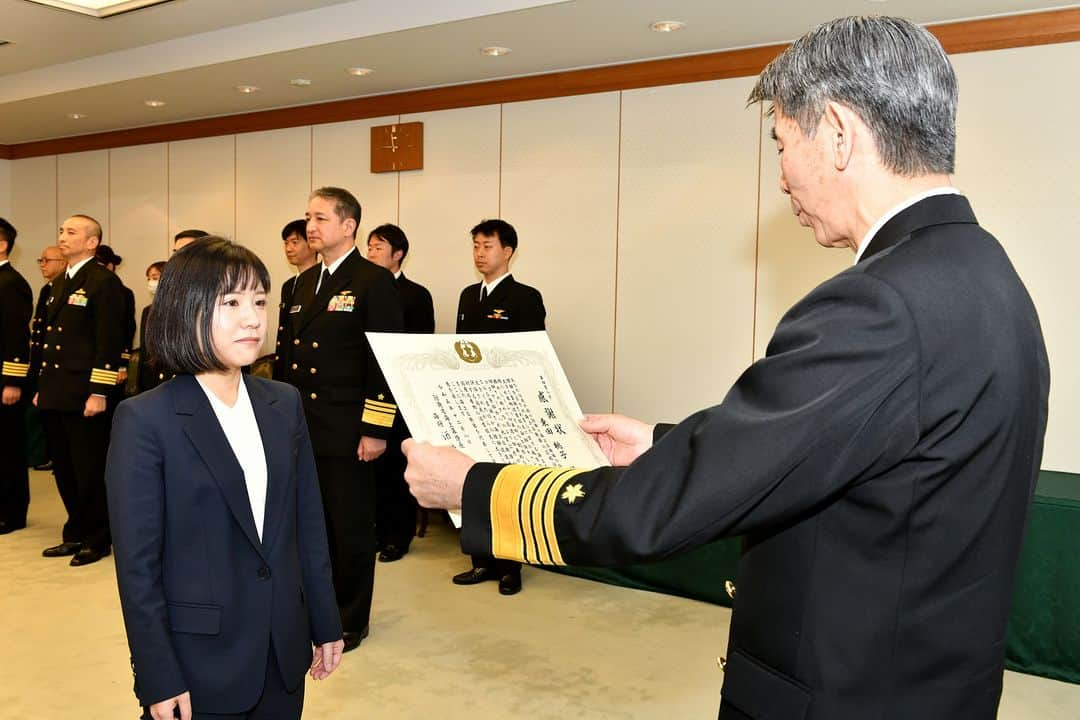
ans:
(178, 329)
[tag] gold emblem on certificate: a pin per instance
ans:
(468, 351)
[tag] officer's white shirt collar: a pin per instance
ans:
(3, 262)
(337, 263)
(72, 269)
(490, 286)
(896, 210)
(397, 275)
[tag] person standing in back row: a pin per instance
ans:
(498, 304)
(16, 305)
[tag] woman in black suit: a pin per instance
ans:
(221, 552)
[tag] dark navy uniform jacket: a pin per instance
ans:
(879, 461)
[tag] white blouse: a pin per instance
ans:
(242, 431)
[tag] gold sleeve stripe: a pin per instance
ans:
(104, 377)
(377, 405)
(507, 540)
(125, 355)
(523, 502)
(15, 369)
(373, 417)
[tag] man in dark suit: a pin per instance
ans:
(498, 304)
(302, 257)
(879, 460)
(395, 521)
(349, 409)
(81, 352)
(16, 304)
(52, 265)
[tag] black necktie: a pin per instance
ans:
(323, 279)
(483, 293)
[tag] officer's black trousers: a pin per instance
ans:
(78, 446)
(14, 477)
(348, 495)
(395, 520)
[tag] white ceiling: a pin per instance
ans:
(192, 53)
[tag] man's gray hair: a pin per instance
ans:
(893, 73)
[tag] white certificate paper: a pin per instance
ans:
(498, 397)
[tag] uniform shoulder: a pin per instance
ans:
(474, 288)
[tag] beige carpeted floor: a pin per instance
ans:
(563, 649)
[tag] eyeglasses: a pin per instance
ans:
(43, 260)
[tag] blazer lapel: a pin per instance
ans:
(278, 456)
(934, 210)
(495, 298)
(63, 290)
(202, 428)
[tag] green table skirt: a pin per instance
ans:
(1044, 626)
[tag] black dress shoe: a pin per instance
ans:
(476, 575)
(509, 584)
(62, 550)
(390, 553)
(353, 639)
(89, 555)
(6, 527)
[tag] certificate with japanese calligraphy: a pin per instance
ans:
(498, 397)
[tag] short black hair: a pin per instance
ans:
(193, 234)
(8, 233)
(500, 229)
(394, 237)
(345, 203)
(178, 330)
(107, 256)
(296, 227)
(159, 266)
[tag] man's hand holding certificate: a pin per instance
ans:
(494, 398)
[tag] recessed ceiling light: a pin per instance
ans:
(247, 89)
(667, 25)
(100, 8)
(76, 116)
(154, 103)
(299, 82)
(359, 71)
(496, 51)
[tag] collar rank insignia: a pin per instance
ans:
(573, 493)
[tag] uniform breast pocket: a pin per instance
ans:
(195, 618)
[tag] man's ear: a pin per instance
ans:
(841, 126)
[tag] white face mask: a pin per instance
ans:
(151, 285)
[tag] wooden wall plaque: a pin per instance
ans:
(397, 147)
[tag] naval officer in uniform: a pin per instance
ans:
(348, 405)
(16, 305)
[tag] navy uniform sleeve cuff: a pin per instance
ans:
(476, 508)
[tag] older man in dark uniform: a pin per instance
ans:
(879, 460)
(16, 304)
(52, 265)
(395, 521)
(81, 350)
(300, 255)
(498, 304)
(349, 410)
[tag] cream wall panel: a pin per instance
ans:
(342, 158)
(138, 210)
(1016, 162)
(559, 190)
(82, 187)
(33, 213)
(5, 188)
(790, 262)
(458, 187)
(273, 179)
(688, 209)
(202, 185)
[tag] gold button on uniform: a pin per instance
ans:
(296, 342)
(314, 396)
(314, 370)
(729, 588)
(315, 345)
(294, 366)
